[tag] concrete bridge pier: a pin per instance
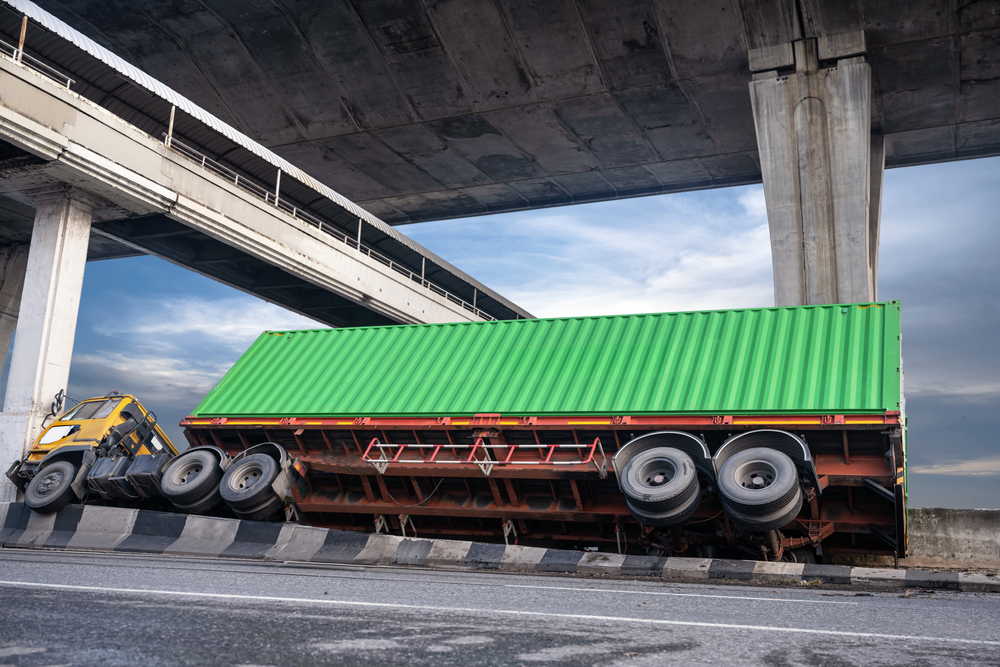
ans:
(13, 261)
(46, 323)
(822, 168)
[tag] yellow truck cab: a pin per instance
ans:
(109, 445)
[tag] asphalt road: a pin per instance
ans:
(59, 608)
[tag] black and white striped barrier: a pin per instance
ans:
(93, 528)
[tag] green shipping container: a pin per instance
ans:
(830, 359)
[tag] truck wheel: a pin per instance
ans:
(661, 486)
(202, 505)
(191, 477)
(759, 489)
(49, 490)
(266, 510)
(247, 483)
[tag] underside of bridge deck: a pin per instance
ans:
(445, 109)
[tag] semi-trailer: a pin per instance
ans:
(771, 433)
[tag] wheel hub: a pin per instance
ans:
(250, 479)
(49, 483)
(190, 474)
(756, 475)
(657, 472)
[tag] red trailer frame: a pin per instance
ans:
(550, 480)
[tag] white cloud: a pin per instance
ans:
(752, 200)
(234, 321)
(696, 251)
(977, 389)
(984, 466)
(158, 380)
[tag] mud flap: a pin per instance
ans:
(292, 474)
(13, 474)
(79, 484)
(282, 484)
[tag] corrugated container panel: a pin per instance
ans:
(809, 359)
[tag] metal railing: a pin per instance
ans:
(275, 200)
(34, 64)
(487, 455)
(18, 56)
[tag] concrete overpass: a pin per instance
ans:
(451, 108)
(73, 171)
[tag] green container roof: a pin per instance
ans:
(833, 359)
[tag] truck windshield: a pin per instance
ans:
(91, 410)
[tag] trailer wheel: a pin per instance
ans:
(661, 486)
(759, 489)
(191, 477)
(50, 489)
(247, 483)
(800, 555)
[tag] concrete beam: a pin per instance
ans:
(13, 261)
(816, 153)
(46, 325)
(140, 176)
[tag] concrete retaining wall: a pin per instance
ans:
(946, 539)
(941, 536)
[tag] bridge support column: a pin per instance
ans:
(13, 260)
(822, 172)
(46, 324)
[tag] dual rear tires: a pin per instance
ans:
(661, 486)
(759, 489)
(191, 482)
(196, 484)
(246, 488)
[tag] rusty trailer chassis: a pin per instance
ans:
(550, 480)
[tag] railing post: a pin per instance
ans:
(20, 43)
(277, 188)
(170, 127)
(475, 293)
(423, 265)
(359, 233)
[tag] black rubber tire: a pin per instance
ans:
(665, 503)
(190, 477)
(202, 505)
(670, 517)
(769, 521)
(805, 555)
(247, 483)
(778, 476)
(679, 480)
(265, 510)
(51, 488)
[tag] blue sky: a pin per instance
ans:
(167, 334)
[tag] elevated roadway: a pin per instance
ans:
(159, 198)
(451, 108)
(74, 171)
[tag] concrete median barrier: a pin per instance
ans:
(140, 531)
